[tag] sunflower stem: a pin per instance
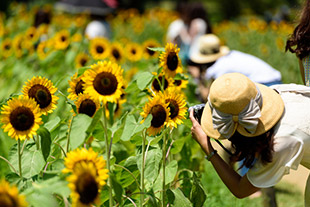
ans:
(164, 169)
(163, 83)
(142, 169)
(68, 136)
(105, 125)
(19, 158)
(8, 162)
(36, 140)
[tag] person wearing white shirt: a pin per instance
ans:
(209, 60)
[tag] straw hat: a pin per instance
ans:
(209, 49)
(237, 103)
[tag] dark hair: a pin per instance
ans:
(197, 10)
(299, 41)
(245, 148)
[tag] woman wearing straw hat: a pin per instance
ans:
(209, 60)
(268, 129)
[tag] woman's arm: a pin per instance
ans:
(239, 186)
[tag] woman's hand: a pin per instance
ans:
(199, 135)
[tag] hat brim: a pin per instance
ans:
(202, 59)
(271, 112)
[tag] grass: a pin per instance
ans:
(218, 195)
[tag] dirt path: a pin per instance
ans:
(297, 177)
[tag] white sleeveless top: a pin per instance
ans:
(292, 138)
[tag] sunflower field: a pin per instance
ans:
(104, 122)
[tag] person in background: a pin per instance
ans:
(299, 43)
(211, 60)
(186, 30)
(268, 128)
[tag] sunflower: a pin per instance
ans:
(151, 43)
(21, 117)
(129, 74)
(6, 48)
(99, 48)
(42, 90)
(43, 49)
(170, 60)
(133, 52)
(177, 105)
(17, 45)
(104, 81)
(87, 176)
(181, 83)
(77, 37)
(118, 109)
(116, 52)
(81, 60)
(9, 196)
(62, 39)
(157, 82)
(160, 112)
(85, 104)
(31, 34)
(76, 86)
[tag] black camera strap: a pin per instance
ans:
(229, 152)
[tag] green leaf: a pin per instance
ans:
(32, 160)
(118, 190)
(145, 124)
(157, 49)
(152, 162)
(179, 143)
(143, 79)
(95, 120)
(36, 199)
(197, 195)
(52, 124)
(53, 186)
(170, 173)
(70, 55)
(177, 198)
(80, 124)
(82, 70)
(180, 76)
(45, 138)
(129, 128)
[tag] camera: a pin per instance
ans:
(198, 109)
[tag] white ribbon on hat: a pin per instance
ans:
(248, 117)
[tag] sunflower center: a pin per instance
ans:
(87, 107)
(156, 84)
(159, 116)
(83, 62)
(7, 47)
(172, 61)
(6, 200)
(174, 108)
(99, 49)
(63, 38)
(105, 83)
(133, 51)
(87, 188)
(22, 118)
(79, 87)
(177, 82)
(150, 52)
(41, 94)
(116, 54)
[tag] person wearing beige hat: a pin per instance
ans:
(209, 60)
(268, 127)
